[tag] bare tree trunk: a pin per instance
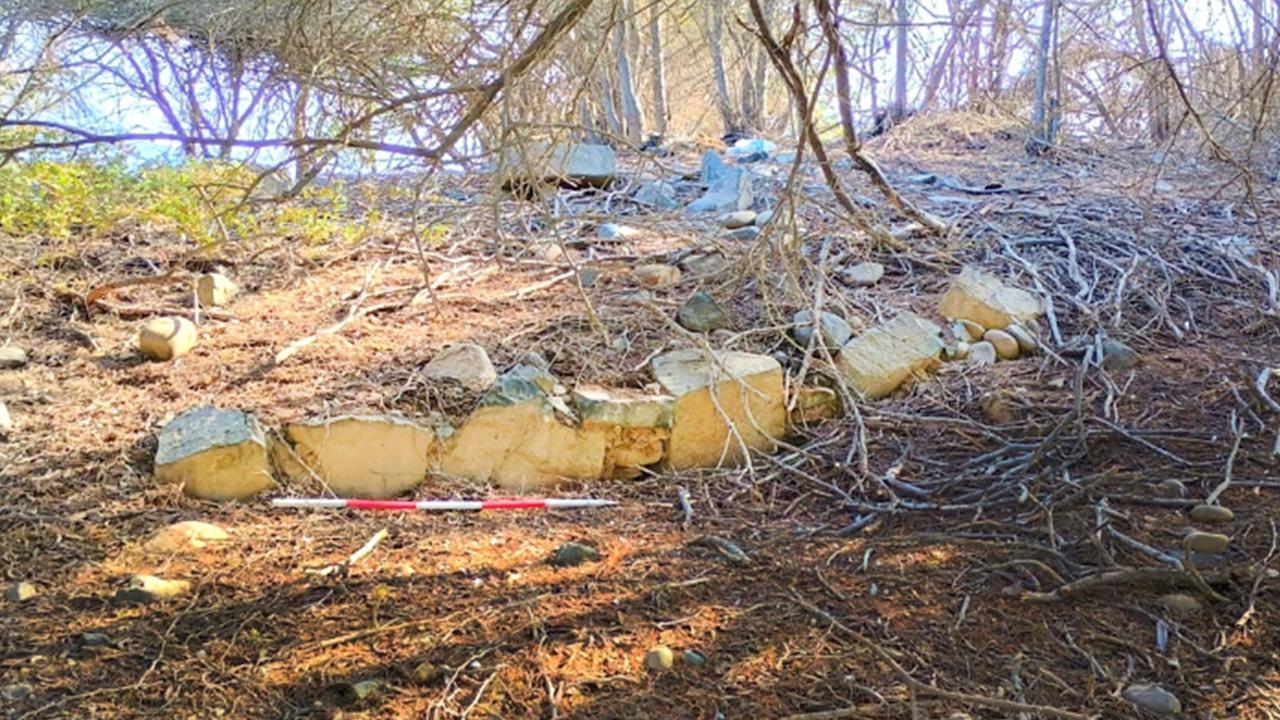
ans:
(660, 113)
(714, 42)
(998, 55)
(626, 87)
(609, 108)
(1041, 130)
(899, 109)
(940, 66)
(973, 83)
(760, 86)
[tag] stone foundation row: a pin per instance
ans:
(530, 431)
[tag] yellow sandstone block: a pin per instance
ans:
(723, 401)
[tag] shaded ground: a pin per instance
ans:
(934, 555)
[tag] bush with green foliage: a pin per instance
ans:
(199, 201)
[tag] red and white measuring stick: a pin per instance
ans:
(443, 505)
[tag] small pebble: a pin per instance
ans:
(1171, 489)
(659, 658)
(959, 351)
(749, 232)
(355, 692)
(427, 672)
(982, 353)
(1204, 542)
(735, 220)
(1027, 342)
(694, 658)
(21, 592)
(16, 692)
(571, 554)
(701, 313)
(968, 328)
(535, 359)
(613, 231)
(12, 356)
(94, 639)
(149, 588)
(1212, 514)
(6, 420)
(1180, 604)
(1001, 409)
(656, 275)
(835, 331)
(214, 289)
(1006, 347)
(1153, 699)
(1118, 356)
(863, 274)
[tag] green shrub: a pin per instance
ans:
(198, 201)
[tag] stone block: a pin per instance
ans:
(214, 289)
(521, 436)
(572, 164)
(981, 297)
(167, 338)
(214, 454)
(635, 426)
(522, 445)
(365, 456)
(465, 363)
(716, 395)
(729, 192)
(879, 360)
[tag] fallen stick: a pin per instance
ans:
(355, 557)
(442, 505)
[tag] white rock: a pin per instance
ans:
(864, 274)
(465, 363)
(214, 454)
(215, 289)
(614, 231)
(737, 219)
(982, 353)
(574, 164)
(12, 356)
(635, 425)
(20, 592)
(879, 360)
(167, 338)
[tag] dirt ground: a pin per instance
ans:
(945, 562)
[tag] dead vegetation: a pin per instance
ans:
(991, 541)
